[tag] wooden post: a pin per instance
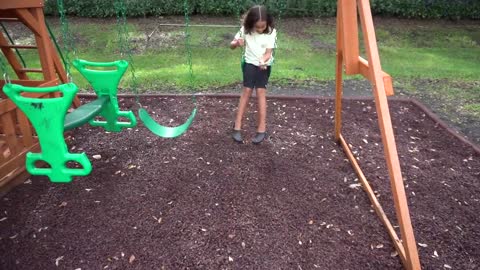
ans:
(339, 74)
(388, 138)
(382, 86)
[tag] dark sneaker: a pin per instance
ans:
(237, 136)
(259, 137)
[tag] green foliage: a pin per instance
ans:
(452, 9)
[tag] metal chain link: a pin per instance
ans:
(282, 7)
(68, 44)
(3, 69)
(188, 47)
(124, 45)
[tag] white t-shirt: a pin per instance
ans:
(256, 45)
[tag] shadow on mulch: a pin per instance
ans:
(203, 202)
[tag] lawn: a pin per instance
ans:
(435, 61)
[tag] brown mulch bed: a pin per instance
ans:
(203, 202)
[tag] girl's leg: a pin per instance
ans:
(262, 110)
(242, 105)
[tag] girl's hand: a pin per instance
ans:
(237, 43)
(263, 65)
(240, 42)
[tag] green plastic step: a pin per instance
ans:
(85, 113)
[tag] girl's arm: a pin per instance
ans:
(267, 56)
(237, 40)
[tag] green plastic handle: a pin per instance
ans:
(47, 116)
(83, 64)
(105, 83)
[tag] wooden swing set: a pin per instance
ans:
(17, 137)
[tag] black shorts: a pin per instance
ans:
(254, 77)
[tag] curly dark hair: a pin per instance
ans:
(256, 14)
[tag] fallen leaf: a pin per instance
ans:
(230, 259)
(57, 260)
(131, 259)
(354, 186)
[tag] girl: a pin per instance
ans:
(258, 35)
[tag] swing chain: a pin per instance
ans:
(68, 44)
(124, 46)
(188, 48)
(3, 67)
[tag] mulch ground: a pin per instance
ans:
(203, 202)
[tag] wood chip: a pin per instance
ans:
(97, 157)
(63, 204)
(422, 245)
(447, 266)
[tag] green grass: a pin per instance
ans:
(473, 109)
(407, 51)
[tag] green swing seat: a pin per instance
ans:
(50, 119)
(83, 114)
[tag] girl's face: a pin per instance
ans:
(260, 26)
